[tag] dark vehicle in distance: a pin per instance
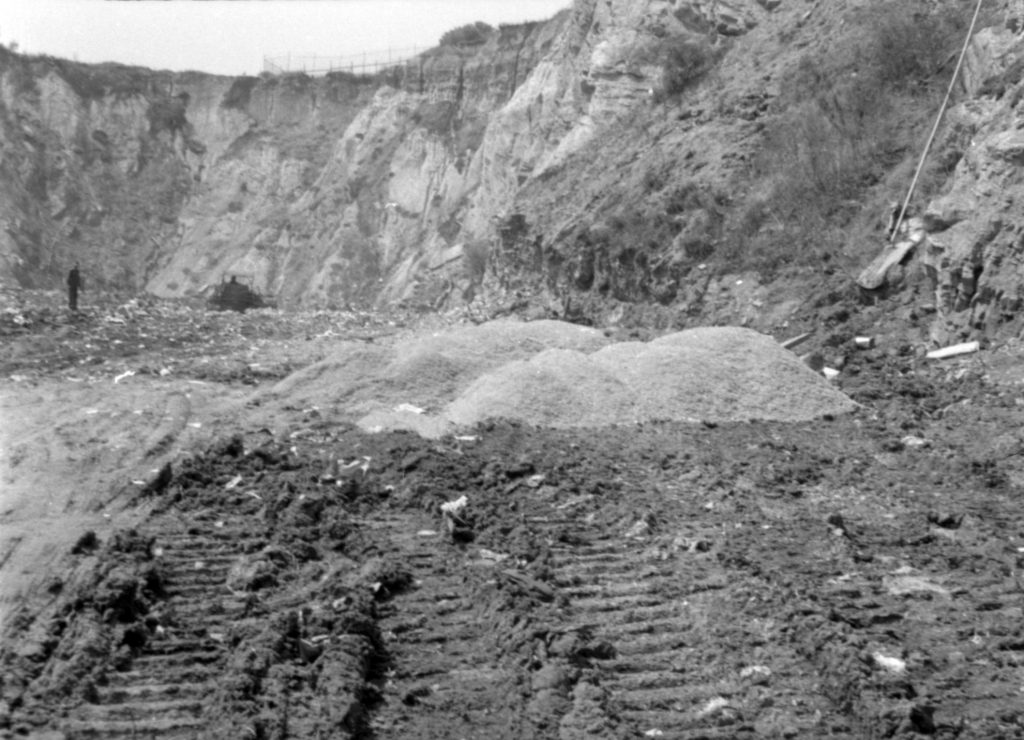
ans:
(236, 295)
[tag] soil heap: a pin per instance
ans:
(407, 385)
(706, 374)
(555, 374)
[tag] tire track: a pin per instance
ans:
(437, 680)
(177, 412)
(663, 608)
(163, 690)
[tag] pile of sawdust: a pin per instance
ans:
(707, 374)
(367, 382)
(722, 374)
(438, 366)
(555, 388)
(550, 373)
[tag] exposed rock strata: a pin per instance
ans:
(520, 160)
(975, 250)
(324, 191)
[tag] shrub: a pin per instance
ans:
(845, 120)
(908, 47)
(167, 113)
(437, 117)
(239, 94)
(685, 63)
(472, 34)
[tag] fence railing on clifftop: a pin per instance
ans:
(443, 78)
(367, 63)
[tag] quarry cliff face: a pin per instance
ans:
(604, 155)
(323, 191)
(974, 253)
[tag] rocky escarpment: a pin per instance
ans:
(314, 188)
(974, 253)
(323, 191)
(622, 153)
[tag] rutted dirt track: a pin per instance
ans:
(856, 577)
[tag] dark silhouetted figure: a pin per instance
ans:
(74, 284)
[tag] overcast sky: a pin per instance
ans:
(232, 36)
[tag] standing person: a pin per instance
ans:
(74, 284)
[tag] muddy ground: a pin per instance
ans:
(179, 562)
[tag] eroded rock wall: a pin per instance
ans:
(314, 188)
(322, 191)
(974, 254)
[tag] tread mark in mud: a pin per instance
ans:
(433, 635)
(164, 691)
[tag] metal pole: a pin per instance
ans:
(938, 119)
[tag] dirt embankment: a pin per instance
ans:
(295, 576)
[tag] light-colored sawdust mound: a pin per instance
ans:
(710, 374)
(551, 373)
(438, 366)
(366, 382)
(555, 388)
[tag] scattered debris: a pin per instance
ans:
(797, 340)
(685, 544)
(640, 529)
(889, 663)
(494, 557)
(946, 519)
(873, 276)
(715, 706)
(362, 464)
(460, 528)
(902, 583)
(456, 507)
(756, 674)
(965, 348)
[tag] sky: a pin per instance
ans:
(232, 37)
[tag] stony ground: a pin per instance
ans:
(281, 576)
